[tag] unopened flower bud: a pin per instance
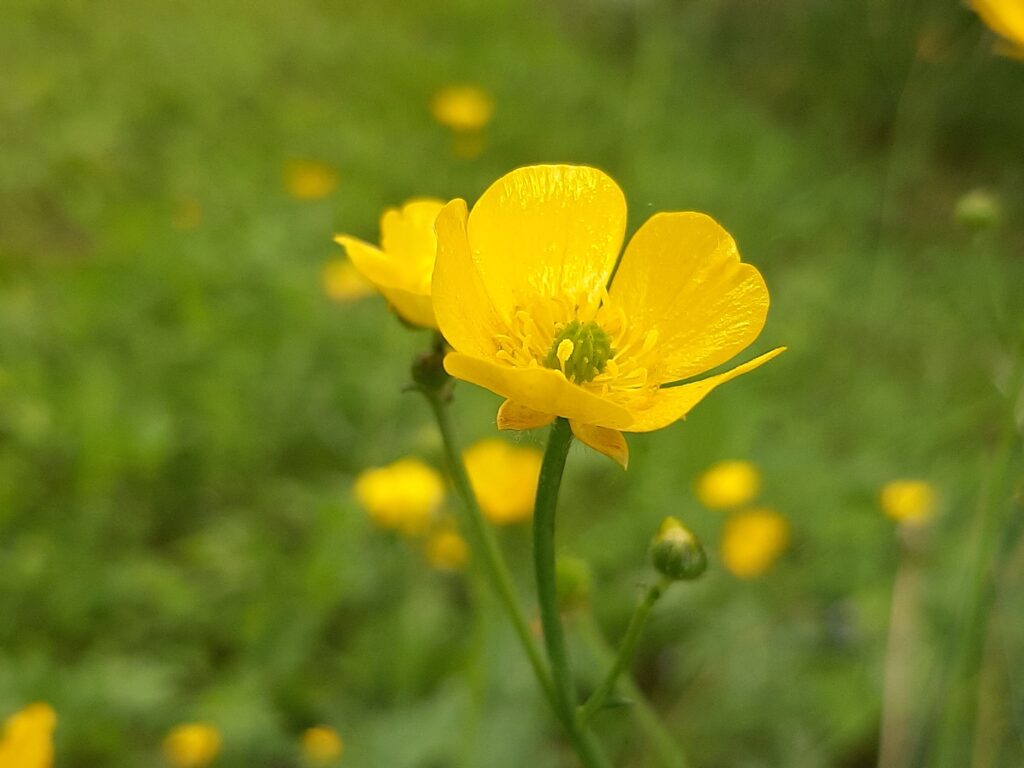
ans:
(676, 552)
(573, 580)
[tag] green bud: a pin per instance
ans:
(676, 552)
(979, 209)
(428, 370)
(573, 581)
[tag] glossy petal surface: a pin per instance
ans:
(610, 442)
(512, 415)
(547, 230)
(681, 277)
(465, 313)
(541, 389)
(673, 403)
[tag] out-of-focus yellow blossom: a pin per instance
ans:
(321, 745)
(462, 108)
(752, 541)
(446, 550)
(402, 267)
(192, 745)
(343, 282)
(728, 484)
(520, 293)
(1006, 19)
(911, 502)
(188, 214)
(504, 479)
(403, 496)
(26, 740)
(309, 179)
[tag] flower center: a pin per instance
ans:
(580, 351)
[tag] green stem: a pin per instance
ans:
(544, 561)
(625, 654)
(548, 484)
(493, 561)
(669, 753)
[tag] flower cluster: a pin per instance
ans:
(753, 537)
(523, 291)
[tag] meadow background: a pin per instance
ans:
(183, 410)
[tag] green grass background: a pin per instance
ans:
(182, 412)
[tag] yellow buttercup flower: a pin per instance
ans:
(752, 541)
(521, 293)
(343, 282)
(26, 740)
(728, 484)
(402, 267)
(1006, 19)
(192, 745)
(908, 501)
(462, 107)
(321, 745)
(403, 496)
(309, 179)
(504, 479)
(446, 550)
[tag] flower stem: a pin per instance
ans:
(494, 563)
(559, 440)
(625, 655)
(662, 742)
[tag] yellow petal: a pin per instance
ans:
(547, 230)
(1005, 17)
(672, 403)
(681, 277)
(465, 314)
(504, 479)
(407, 236)
(517, 416)
(610, 442)
(375, 266)
(542, 389)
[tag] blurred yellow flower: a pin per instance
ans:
(1006, 19)
(728, 484)
(908, 501)
(309, 179)
(403, 496)
(462, 107)
(504, 479)
(343, 282)
(752, 541)
(520, 293)
(321, 745)
(402, 267)
(26, 740)
(446, 550)
(192, 745)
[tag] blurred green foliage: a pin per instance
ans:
(182, 411)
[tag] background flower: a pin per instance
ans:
(728, 484)
(192, 745)
(321, 745)
(908, 501)
(402, 267)
(403, 496)
(504, 479)
(752, 541)
(26, 740)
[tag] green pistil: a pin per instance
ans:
(585, 355)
